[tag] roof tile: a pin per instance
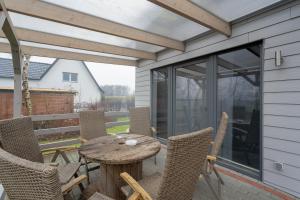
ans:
(36, 69)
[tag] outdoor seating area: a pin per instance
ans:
(187, 156)
(210, 108)
(109, 166)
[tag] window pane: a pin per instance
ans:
(191, 98)
(66, 76)
(160, 101)
(239, 96)
(74, 77)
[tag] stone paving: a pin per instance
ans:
(234, 189)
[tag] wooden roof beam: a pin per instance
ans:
(9, 33)
(191, 11)
(17, 57)
(69, 42)
(53, 53)
(47, 11)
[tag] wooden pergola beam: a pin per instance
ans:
(53, 53)
(195, 13)
(69, 42)
(47, 11)
(17, 58)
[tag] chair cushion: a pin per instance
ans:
(66, 172)
(98, 196)
(150, 184)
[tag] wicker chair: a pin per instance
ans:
(186, 154)
(140, 123)
(209, 166)
(92, 125)
(17, 137)
(23, 179)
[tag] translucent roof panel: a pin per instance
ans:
(23, 21)
(32, 44)
(230, 10)
(140, 14)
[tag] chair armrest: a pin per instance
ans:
(51, 150)
(74, 182)
(153, 132)
(240, 130)
(82, 140)
(53, 164)
(211, 158)
(137, 188)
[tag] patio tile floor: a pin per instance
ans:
(234, 188)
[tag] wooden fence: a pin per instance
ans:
(50, 131)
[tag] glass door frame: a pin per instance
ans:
(212, 88)
(209, 95)
(243, 169)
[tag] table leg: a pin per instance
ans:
(111, 182)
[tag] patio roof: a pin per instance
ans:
(113, 32)
(117, 31)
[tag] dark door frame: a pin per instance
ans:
(212, 105)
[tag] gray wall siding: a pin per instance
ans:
(280, 30)
(282, 110)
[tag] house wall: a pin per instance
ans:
(86, 88)
(279, 29)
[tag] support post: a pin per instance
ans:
(17, 58)
(8, 30)
(17, 94)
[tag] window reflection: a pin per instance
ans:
(160, 101)
(239, 96)
(191, 98)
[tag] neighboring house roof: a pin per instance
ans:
(35, 72)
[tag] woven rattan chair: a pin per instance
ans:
(140, 123)
(23, 179)
(209, 166)
(92, 125)
(138, 194)
(17, 137)
(186, 154)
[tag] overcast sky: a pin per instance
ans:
(105, 74)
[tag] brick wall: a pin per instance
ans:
(43, 102)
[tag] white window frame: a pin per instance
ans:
(69, 74)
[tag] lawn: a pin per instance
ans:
(119, 129)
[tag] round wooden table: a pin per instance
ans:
(116, 157)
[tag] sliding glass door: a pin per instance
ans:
(239, 95)
(191, 97)
(160, 101)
